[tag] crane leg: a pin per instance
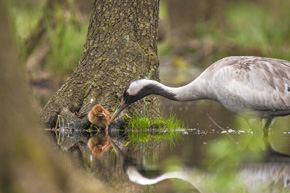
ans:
(266, 138)
(266, 126)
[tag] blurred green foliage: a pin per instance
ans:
(260, 29)
(68, 39)
(254, 28)
(163, 13)
(268, 28)
(24, 16)
(67, 34)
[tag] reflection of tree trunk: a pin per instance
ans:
(27, 164)
(121, 46)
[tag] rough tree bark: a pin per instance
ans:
(120, 47)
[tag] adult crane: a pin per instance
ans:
(252, 84)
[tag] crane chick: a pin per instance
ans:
(99, 116)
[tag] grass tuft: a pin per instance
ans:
(139, 123)
(154, 130)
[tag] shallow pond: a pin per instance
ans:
(216, 151)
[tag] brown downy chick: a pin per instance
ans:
(100, 116)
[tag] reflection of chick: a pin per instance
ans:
(100, 116)
(99, 143)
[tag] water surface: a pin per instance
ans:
(212, 153)
(215, 151)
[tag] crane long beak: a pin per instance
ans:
(119, 109)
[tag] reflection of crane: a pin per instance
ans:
(272, 175)
(136, 175)
(257, 85)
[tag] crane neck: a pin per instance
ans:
(195, 90)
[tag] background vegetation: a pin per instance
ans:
(51, 35)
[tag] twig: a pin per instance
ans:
(53, 129)
(57, 122)
(59, 132)
(221, 128)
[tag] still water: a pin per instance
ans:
(216, 151)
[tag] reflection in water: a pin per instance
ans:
(197, 115)
(150, 158)
(275, 176)
(255, 177)
(152, 165)
(99, 143)
(139, 175)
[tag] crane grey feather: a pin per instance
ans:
(253, 83)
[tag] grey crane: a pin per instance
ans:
(240, 83)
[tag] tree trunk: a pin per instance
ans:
(120, 47)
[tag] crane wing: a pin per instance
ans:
(259, 84)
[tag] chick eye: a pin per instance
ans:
(99, 111)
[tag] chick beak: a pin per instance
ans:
(119, 109)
